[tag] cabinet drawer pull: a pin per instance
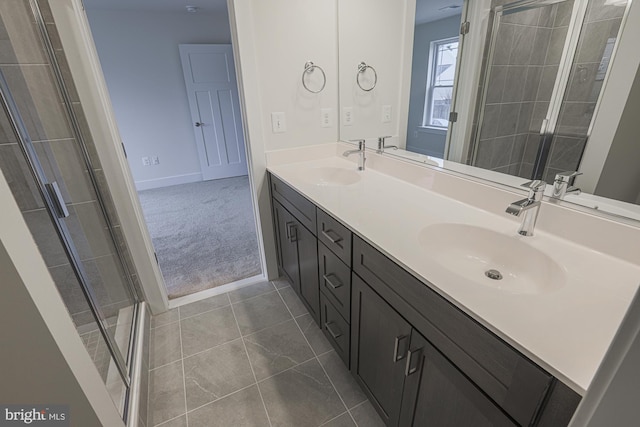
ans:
(329, 234)
(336, 285)
(334, 334)
(396, 348)
(408, 370)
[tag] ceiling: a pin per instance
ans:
(205, 6)
(432, 10)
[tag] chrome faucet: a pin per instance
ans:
(381, 145)
(360, 151)
(563, 184)
(530, 206)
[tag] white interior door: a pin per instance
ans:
(210, 77)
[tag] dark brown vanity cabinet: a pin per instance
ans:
(297, 248)
(420, 359)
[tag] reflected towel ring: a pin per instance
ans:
(310, 67)
(362, 67)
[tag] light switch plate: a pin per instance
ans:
(278, 123)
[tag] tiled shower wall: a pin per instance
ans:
(527, 52)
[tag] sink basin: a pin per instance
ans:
(331, 176)
(487, 258)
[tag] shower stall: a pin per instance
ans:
(543, 72)
(49, 160)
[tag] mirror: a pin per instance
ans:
(525, 87)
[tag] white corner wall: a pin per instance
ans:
(139, 56)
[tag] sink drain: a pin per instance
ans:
(493, 274)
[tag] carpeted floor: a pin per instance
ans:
(204, 233)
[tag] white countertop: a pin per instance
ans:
(566, 330)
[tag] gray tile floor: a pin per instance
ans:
(250, 357)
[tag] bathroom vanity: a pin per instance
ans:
(429, 345)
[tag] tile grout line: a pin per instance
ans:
(264, 405)
(318, 360)
(221, 397)
(334, 418)
(184, 378)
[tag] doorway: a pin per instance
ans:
(171, 79)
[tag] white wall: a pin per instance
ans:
(141, 63)
(380, 34)
(427, 141)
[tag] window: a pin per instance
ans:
(442, 71)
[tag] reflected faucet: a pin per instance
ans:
(381, 145)
(563, 184)
(361, 151)
(530, 206)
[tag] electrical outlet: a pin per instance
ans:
(155, 160)
(347, 116)
(146, 161)
(278, 123)
(325, 117)
(386, 114)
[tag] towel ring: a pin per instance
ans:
(362, 67)
(310, 67)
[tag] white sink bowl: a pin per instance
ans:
(331, 176)
(470, 252)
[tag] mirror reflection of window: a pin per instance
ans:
(441, 77)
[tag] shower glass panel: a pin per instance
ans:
(46, 162)
(543, 76)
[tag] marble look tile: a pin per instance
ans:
(301, 396)
(366, 416)
(208, 330)
(251, 291)
(313, 333)
(281, 283)
(164, 345)
(20, 43)
(216, 373)
(260, 312)
(165, 318)
(208, 304)
(46, 238)
(277, 348)
(345, 384)
(241, 409)
(176, 422)
(292, 301)
(166, 393)
(343, 420)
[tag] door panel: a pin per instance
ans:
(437, 394)
(308, 262)
(215, 109)
(380, 339)
(287, 248)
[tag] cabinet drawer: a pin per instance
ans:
(335, 280)
(335, 236)
(294, 202)
(335, 328)
(511, 380)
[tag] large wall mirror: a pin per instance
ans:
(512, 99)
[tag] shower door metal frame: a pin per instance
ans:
(548, 128)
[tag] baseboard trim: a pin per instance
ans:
(168, 181)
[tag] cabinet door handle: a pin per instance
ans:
(329, 234)
(408, 370)
(396, 348)
(334, 334)
(292, 232)
(336, 285)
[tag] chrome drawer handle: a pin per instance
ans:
(334, 334)
(408, 370)
(330, 237)
(396, 348)
(336, 285)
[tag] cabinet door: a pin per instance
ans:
(308, 266)
(436, 393)
(287, 246)
(379, 343)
